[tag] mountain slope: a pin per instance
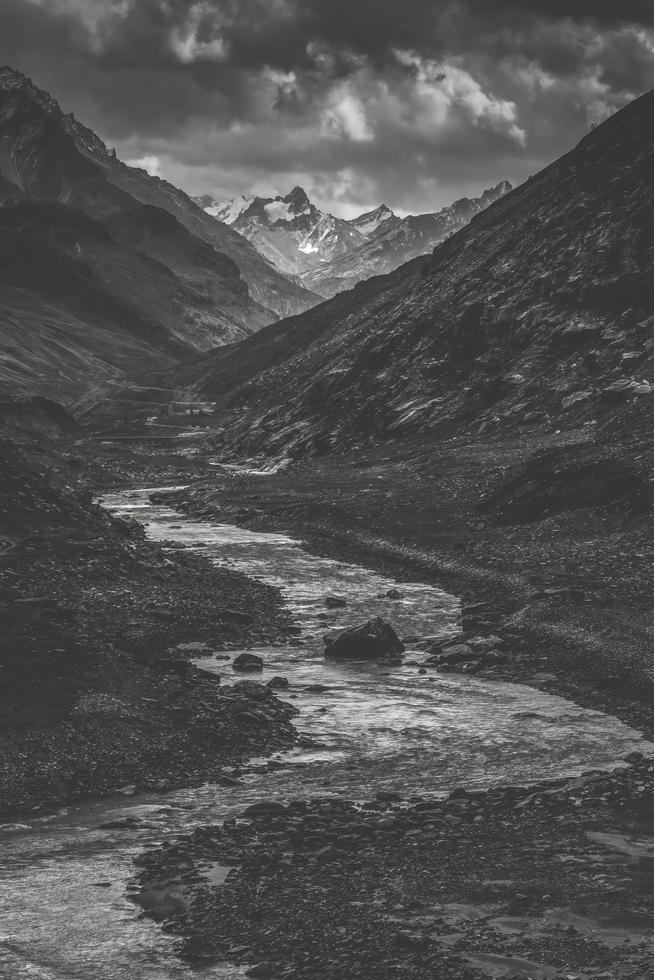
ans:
(392, 241)
(51, 156)
(540, 311)
(269, 288)
(76, 309)
(134, 288)
(372, 222)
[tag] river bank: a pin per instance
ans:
(548, 881)
(566, 585)
(99, 626)
(423, 731)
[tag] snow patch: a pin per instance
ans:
(228, 211)
(279, 211)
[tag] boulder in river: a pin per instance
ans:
(374, 640)
(248, 662)
(335, 602)
(278, 683)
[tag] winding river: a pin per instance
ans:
(65, 911)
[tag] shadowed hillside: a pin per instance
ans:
(540, 312)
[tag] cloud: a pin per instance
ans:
(345, 117)
(415, 102)
(152, 164)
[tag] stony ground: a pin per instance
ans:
(547, 538)
(99, 626)
(560, 553)
(548, 881)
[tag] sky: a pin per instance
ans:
(411, 102)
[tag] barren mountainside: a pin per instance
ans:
(393, 241)
(98, 284)
(540, 311)
(70, 162)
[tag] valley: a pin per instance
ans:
(210, 478)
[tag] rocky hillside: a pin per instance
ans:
(97, 691)
(48, 156)
(540, 312)
(392, 241)
(330, 254)
(78, 310)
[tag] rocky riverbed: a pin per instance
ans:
(510, 877)
(567, 586)
(550, 881)
(533, 879)
(497, 882)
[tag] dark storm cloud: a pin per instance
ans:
(415, 101)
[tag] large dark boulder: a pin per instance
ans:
(247, 662)
(375, 640)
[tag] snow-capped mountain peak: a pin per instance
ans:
(369, 222)
(298, 201)
(330, 254)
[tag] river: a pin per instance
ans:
(65, 912)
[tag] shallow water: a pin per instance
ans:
(64, 910)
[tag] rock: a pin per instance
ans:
(394, 594)
(575, 397)
(160, 612)
(335, 602)
(253, 690)
(624, 387)
(196, 649)
(374, 640)
(411, 941)
(43, 602)
(247, 662)
(316, 688)
(264, 809)
(127, 790)
(121, 823)
(386, 796)
(458, 654)
(278, 683)
(177, 666)
(494, 658)
(234, 616)
(484, 644)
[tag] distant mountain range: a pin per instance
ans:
(107, 271)
(329, 254)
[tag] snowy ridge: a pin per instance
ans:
(329, 254)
